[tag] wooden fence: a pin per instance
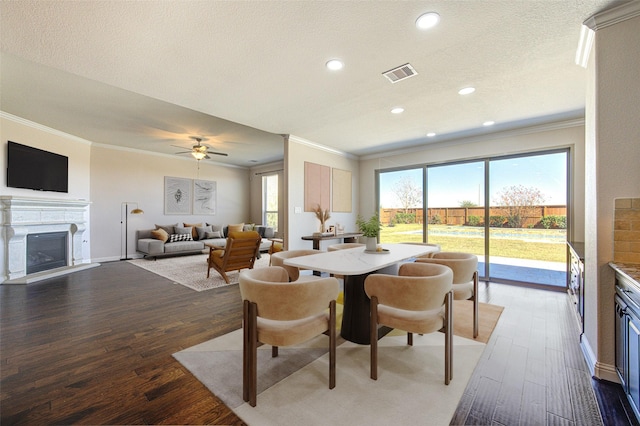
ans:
(462, 215)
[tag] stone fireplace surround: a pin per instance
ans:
(21, 216)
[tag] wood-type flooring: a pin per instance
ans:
(95, 346)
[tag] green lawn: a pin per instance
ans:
(524, 245)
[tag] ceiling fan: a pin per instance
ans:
(200, 151)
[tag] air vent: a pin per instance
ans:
(400, 73)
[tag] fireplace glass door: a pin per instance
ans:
(46, 251)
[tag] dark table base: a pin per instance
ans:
(356, 313)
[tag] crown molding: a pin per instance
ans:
(306, 142)
(613, 16)
(33, 125)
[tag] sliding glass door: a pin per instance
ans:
(455, 207)
(528, 223)
(509, 211)
(400, 199)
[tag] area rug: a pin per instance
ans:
(293, 388)
(191, 271)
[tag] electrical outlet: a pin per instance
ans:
(297, 209)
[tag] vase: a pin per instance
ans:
(371, 243)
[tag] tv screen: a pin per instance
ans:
(34, 168)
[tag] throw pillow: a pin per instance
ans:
(268, 232)
(194, 232)
(217, 228)
(167, 228)
(160, 234)
(201, 231)
(213, 234)
(183, 230)
(236, 228)
(180, 237)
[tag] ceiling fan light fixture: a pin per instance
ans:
(199, 155)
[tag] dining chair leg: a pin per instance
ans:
(332, 344)
(409, 338)
(246, 348)
(374, 337)
(274, 351)
(448, 343)
(475, 305)
(253, 365)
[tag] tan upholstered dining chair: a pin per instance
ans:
(343, 246)
(240, 253)
(465, 277)
(417, 300)
(277, 259)
(282, 313)
(435, 246)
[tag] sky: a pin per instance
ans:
(449, 185)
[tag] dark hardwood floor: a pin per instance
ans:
(94, 347)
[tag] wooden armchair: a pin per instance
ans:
(240, 253)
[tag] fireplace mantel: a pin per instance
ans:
(22, 216)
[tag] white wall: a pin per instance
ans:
(559, 135)
(119, 175)
(21, 131)
(297, 225)
(612, 171)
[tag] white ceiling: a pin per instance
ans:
(147, 75)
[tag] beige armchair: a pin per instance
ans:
(279, 313)
(239, 253)
(417, 300)
(465, 277)
(277, 259)
(343, 246)
(436, 246)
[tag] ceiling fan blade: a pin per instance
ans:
(218, 153)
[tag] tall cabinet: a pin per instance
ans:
(627, 329)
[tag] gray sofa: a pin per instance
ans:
(187, 240)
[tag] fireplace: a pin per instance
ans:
(46, 251)
(41, 238)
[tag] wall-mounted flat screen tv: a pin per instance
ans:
(34, 168)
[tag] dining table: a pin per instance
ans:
(355, 264)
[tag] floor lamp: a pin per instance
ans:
(136, 210)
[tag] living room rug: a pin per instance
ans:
(191, 270)
(293, 388)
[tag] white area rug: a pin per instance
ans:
(191, 271)
(293, 389)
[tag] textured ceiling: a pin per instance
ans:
(149, 74)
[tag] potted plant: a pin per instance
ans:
(370, 230)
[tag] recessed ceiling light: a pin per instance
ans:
(430, 134)
(335, 65)
(488, 123)
(466, 91)
(397, 110)
(427, 20)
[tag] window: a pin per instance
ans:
(270, 201)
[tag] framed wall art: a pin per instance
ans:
(317, 186)
(341, 190)
(177, 195)
(204, 196)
